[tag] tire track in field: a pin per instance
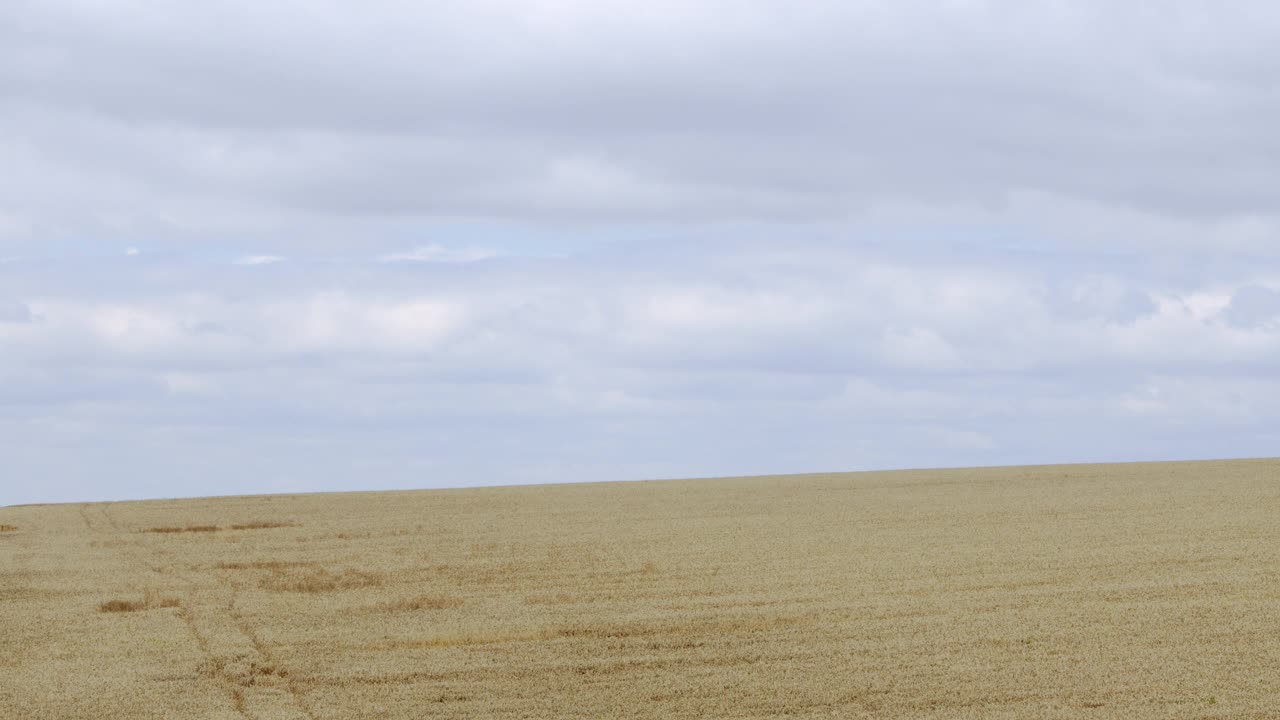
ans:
(84, 515)
(106, 526)
(258, 684)
(290, 682)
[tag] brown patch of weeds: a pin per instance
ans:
(8, 528)
(150, 601)
(187, 529)
(242, 670)
(262, 525)
(112, 606)
(321, 580)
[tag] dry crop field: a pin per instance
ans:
(1116, 591)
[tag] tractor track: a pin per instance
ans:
(257, 684)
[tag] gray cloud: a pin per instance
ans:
(738, 358)
(14, 312)
(239, 115)
(1253, 306)
(571, 241)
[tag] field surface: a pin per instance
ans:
(1103, 591)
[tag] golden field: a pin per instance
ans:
(1092, 591)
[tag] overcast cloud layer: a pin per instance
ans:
(252, 247)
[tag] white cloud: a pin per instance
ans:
(188, 384)
(919, 349)
(202, 330)
(15, 312)
(958, 439)
(709, 312)
(737, 362)
(1196, 401)
(437, 253)
(259, 260)
(1254, 306)
(835, 311)
(739, 236)
(13, 225)
(340, 322)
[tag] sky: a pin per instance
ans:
(257, 247)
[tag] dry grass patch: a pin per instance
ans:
(115, 606)
(316, 581)
(8, 528)
(150, 601)
(262, 525)
(186, 529)
(421, 602)
(242, 670)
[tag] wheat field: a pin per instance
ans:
(1117, 591)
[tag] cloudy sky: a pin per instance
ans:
(257, 247)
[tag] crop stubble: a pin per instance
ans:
(1138, 591)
